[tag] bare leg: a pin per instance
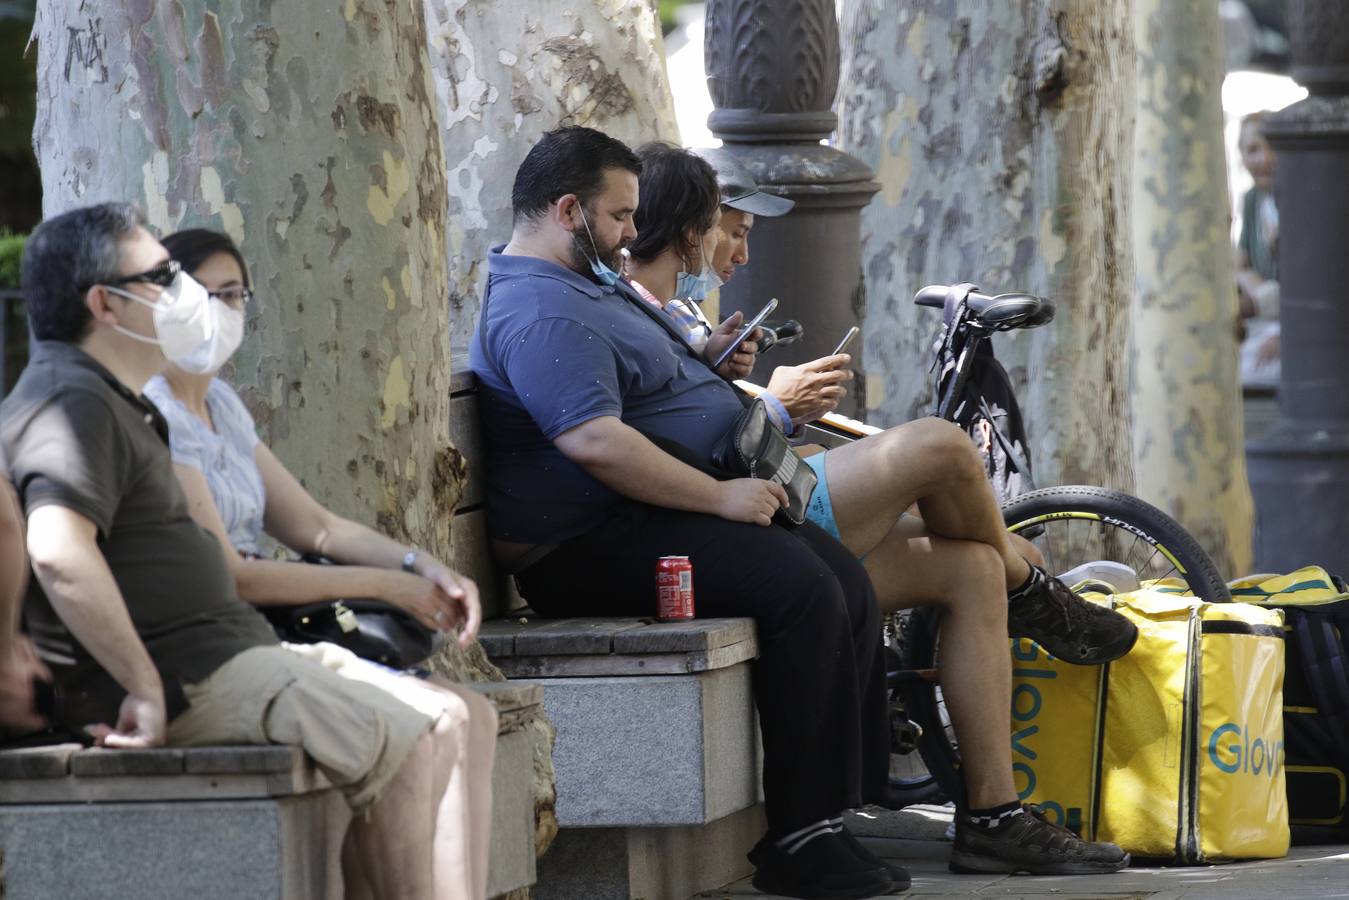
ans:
(459, 801)
(929, 462)
(392, 841)
(965, 579)
(355, 887)
(464, 770)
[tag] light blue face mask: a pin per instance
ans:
(697, 287)
(603, 273)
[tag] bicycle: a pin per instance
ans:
(1080, 530)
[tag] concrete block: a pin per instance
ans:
(650, 863)
(656, 750)
(511, 864)
(209, 850)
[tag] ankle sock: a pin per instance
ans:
(1033, 580)
(995, 817)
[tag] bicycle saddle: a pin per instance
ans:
(1001, 312)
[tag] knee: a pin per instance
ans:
(939, 441)
(482, 714)
(466, 711)
(807, 597)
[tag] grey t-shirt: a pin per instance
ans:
(74, 436)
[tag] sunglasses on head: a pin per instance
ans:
(161, 275)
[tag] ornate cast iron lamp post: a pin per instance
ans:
(1299, 470)
(773, 70)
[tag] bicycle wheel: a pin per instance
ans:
(1071, 525)
(1077, 524)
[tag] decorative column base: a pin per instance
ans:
(1300, 484)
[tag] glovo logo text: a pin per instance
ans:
(1028, 702)
(1231, 749)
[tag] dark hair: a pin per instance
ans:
(677, 193)
(193, 246)
(569, 160)
(67, 255)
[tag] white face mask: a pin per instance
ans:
(227, 333)
(182, 318)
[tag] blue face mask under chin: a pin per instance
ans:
(697, 287)
(603, 273)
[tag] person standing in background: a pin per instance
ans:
(1258, 259)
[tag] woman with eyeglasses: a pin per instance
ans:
(236, 488)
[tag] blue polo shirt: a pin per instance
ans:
(553, 350)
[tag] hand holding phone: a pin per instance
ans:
(745, 332)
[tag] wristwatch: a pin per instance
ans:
(410, 561)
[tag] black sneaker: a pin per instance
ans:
(807, 875)
(1068, 627)
(1032, 844)
(898, 875)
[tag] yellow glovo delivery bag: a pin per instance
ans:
(1175, 751)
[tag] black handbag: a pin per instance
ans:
(372, 629)
(755, 447)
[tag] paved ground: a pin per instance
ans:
(1308, 872)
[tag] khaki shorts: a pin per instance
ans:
(340, 709)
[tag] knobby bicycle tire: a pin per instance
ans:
(1143, 520)
(1107, 507)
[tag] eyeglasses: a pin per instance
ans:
(161, 275)
(237, 297)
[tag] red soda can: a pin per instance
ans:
(674, 588)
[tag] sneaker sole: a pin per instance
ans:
(975, 864)
(1100, 658)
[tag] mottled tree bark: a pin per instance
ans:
(508, 70)
(505, 72)
(1001, 135)
(309, 135)
(1186, 399)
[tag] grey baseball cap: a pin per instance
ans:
(738, 187)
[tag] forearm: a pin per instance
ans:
(356, 545)
(86, 598)
(622, 459)
(269, 582)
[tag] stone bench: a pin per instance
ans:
(657, 752)
(657, 755)
(217, 822)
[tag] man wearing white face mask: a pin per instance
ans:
(133, 607)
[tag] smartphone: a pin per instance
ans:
(847, 339)
(745, 332)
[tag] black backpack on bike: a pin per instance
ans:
(1315, 699)
(988, 412)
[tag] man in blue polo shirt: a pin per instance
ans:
(574, 369)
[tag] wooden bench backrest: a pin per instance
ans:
(469, 549)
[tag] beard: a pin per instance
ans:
(583, 251)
